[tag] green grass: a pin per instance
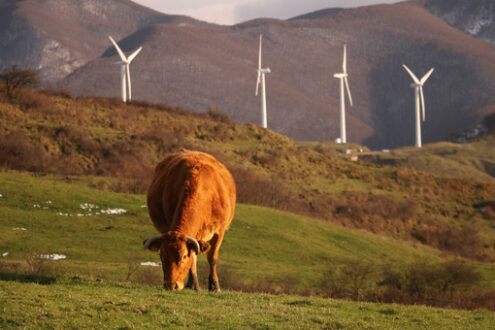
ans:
(81, 304)
(286, 248)
(473, 160)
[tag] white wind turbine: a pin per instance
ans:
(124, 70)
(343, 80)
(418, 93)
(261, 79)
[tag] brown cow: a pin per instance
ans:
(190, 201)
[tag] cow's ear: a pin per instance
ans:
(153, 244)
(203, 246)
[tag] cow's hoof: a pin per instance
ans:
(214, 286)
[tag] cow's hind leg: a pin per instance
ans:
(192, 281)
(215, 243)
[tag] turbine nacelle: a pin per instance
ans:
(418, 83)
(125, 72)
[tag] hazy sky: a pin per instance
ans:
(235, 11)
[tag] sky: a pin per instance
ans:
(235, 11)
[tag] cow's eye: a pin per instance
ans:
(185, 256)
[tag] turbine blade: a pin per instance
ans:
(258, 83)
(121, 54)
(426, 76)
(348, 90)
(413, 76)
(133, 55)
(344, 63)
(422, 101)
(259, 57)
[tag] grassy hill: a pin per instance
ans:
(81, 304)
(473, 160)
(62, 218)
(115, 147)
(264, 251)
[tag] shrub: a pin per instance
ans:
(446, 284)
(265, 191)
(489, 121)
(348, 280)
(15, 79)
(36, 265)
(216, 115)
(58, 92)
(462, 240)
(19, 152)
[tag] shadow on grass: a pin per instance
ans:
(27, 278)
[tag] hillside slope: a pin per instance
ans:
(46, 133)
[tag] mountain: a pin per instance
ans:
(475, 17)
(56, 37)
(194, 65)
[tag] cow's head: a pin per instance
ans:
(176, 252)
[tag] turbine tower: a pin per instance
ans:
(418, 93)
(261, 79)
(125, 73)
(343, 81)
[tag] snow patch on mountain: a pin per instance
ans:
(475, 17)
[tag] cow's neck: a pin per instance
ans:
(190, 221)
(194, 212)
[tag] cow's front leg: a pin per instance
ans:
(192, 281)
(215, 243)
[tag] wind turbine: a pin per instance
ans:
(418, 92)
(261, 79)
(124, 70)
(343, 80)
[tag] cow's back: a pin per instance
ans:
(191, 186)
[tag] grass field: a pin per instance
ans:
(81, 304)
(264, 250)
(262, 245)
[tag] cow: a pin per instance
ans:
(191, 203)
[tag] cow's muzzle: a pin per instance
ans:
(173, 286)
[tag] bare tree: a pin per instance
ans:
(15, 79)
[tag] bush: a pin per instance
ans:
(423, 281)
(15, 79)
(489, 121)
(216, 115)
(462, 240)
(19, 152)
(265, 191)
(349, 280)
